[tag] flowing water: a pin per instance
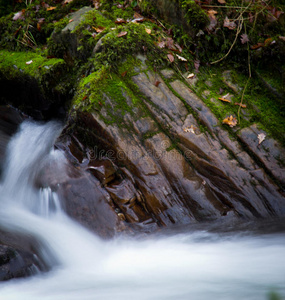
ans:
(196, 265)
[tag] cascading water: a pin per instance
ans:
(197, 265)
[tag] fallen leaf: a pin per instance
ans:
(98, 29)
(137, 16)
(241, 105)
(231, 121)
(261, 137)
(66, 1)
(213, 21)
(96, 4)
(122, 33)
(230, 25)
(161, 44)
(19, 16)
(178, 47)
(190, 129)
(157, 83)
(170, 44)
(120, 21)
(124, 74)
(148, 30)
(71, 20)
(244, 38)
(222, 1)
(225, 100)
(190, 75)
(181, 57)
(51, 8)
(282, 38)
(258, 45)
(170, 57)
(267, 41)
(29, 62)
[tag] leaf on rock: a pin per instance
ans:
(191, 129)
(230, 25)
(170, 57)
(231, 121)
(122, 33)
(261, 137)
(157, 83)
(244, 38)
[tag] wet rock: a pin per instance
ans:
(269, 152)
(20, 256)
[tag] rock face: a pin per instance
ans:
(203, 176)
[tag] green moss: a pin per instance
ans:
(14, 63)
(115, 48)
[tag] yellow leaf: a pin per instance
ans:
(51, 8)
(148, 30)
(231, 121)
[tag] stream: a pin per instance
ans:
(186, 265)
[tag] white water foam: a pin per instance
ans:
(198, 266)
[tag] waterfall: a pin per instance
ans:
(195, 265)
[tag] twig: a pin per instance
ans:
(237, 33)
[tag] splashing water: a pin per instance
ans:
(199, 265)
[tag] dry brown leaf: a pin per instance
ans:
(120, 21)
(261, 137)
(178, 47)
(241, 105)
(161, 44)
(230, 25)
(222, 1)
(191, 129)
(148, 30)
(244, 38)
(98, 29)
(213, 21)
(51, 8)
(157, 83)
(124, 74)
(170, 57)
(122, 33)
(231, 121)
(225, 100)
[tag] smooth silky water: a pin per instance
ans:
(196, 265)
